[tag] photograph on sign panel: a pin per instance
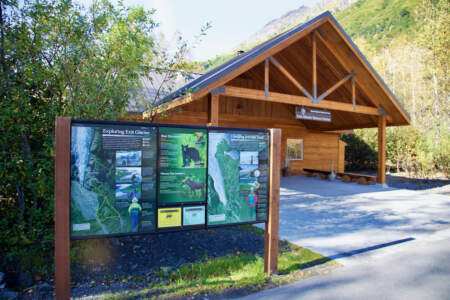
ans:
(237, 176)
(182, 165)
(128, 191)
(106, 196)
(128, 175)
(128, 158)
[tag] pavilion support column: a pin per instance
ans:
(213, 113)
(381, 176)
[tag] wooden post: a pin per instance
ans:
(62, 202)
(314, 46)
(381, 178)
(214, 110)
(271, 234)
(266, 78)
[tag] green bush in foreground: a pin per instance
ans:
(57, 59)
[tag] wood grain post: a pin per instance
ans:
(381, 175)
(62, 202)
(214, 110)
(271, 234)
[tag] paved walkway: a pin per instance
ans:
(393, 243)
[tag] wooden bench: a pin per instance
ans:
(360, 178)
(346, 177)
(313, 172)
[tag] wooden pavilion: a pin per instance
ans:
(314, 65)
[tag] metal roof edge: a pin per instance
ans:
(220, 71)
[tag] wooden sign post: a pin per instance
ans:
(271, 234)
(62, 206)
(62, 202)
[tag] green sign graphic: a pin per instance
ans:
(182, 163)
(113, 175)
(237, 177)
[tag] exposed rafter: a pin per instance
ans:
(315, 99)
(266, 78)
(291, 78)
(348, 69)
(314, 61)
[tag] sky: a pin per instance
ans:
(232, 21)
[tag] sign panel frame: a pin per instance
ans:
(62, 202)
(159, 205)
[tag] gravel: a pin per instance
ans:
(132, 263)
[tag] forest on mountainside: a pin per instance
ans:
(407, 42)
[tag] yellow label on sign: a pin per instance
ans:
(169, 217)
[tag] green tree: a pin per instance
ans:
(58, 59)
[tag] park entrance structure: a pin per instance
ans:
(312, 82)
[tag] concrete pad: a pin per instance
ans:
(335, 217)
(393, 243)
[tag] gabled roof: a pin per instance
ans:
(239, 64)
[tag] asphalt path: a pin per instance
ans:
(392, 243)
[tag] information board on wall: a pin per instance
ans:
(113, 176)
(237, 176)
(182, 165)
(128, 179)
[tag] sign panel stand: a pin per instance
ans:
(271, 232)
(62, 206)
(62, 202)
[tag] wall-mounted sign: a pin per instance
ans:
(312, 114)
(237, 176)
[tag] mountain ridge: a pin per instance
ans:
(378, 21)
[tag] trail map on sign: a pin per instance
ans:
(237, 177)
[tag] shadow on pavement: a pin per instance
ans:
(347, 254)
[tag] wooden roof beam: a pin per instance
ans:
(185, 99)
(254, 94)
(348, 69)
(334, 87)
(291, 78)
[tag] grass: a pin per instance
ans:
(239, 273)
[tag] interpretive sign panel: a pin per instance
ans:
(182, 165)
(128, 179)
(237, 176)
(113, 176)
(108, 177)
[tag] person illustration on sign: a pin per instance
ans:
(252, 198)
(134, 210)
